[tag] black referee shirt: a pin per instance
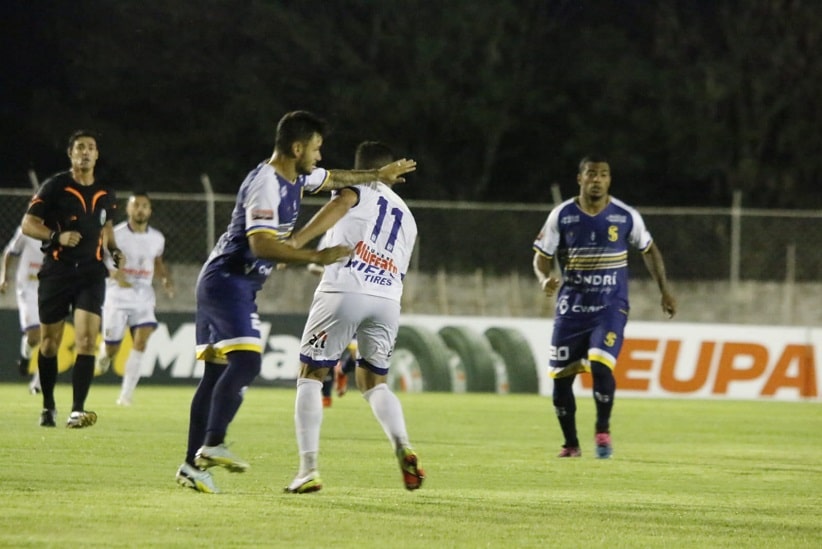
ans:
(65, 205)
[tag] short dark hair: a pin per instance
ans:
(371, 155)
(592, 159)
(297, 126)
(77, 135)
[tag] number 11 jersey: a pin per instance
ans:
(381, 230)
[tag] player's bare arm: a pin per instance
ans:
(389, 174)
(542, 269)
(4, 268)
(266, 246)
(111, 245)
(161, 271)
(656, 266)
(331, 212)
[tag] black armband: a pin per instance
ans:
(54, 238)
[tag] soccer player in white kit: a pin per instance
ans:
(30, 258)
(228, 333)
(130, 298)
(359, 296)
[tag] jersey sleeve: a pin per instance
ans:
(639, 237)
(39, 204)
(547, 240)
(111, 204)
(161, 244)
(261, 207)
(314, 181)
(16, 244)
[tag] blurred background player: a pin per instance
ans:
(29, 260)
(71, 214)
(361, 296)
(130, 299)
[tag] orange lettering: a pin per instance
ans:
(586, 380)
(667, 374)
(627, 362)
(805, 378)
(728, 370)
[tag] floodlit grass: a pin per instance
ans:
(684, 474)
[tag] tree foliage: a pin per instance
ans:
(495, 100)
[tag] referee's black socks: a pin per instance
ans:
(81, 376)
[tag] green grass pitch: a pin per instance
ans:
(685, 473)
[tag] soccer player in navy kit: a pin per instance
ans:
(72, 213)
(227, 323)
(590, 235)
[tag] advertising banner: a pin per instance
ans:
(510, 355)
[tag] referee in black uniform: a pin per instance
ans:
(72, 214)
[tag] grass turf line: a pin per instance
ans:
(685, 473)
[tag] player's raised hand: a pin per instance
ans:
(333, 254)
(393, 172)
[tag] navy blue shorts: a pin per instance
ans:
(579, 340)
(226, 319)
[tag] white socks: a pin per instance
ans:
(388, 411)
(308, 417)
(25, 348)
(131, 375)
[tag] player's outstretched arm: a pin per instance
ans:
(331, 212)
(389, 174)
(266, 246)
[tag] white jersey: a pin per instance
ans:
(140, 249)
(29, 258)
(382, 231)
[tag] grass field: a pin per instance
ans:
(684, 474)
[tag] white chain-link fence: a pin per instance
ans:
(727, 264)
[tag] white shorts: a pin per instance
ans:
(27, 308)
(117, 317)
(334, 319)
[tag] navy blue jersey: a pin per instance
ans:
(266, 202)
(593, 254)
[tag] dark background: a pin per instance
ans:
(495, 100)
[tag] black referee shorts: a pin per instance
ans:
(66, 287)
